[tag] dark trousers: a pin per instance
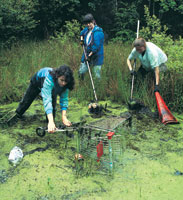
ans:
(31, 93)
(142, 74)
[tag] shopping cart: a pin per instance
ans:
(102, 143)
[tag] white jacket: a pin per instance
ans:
(152, 58)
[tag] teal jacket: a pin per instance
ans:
(48, 88)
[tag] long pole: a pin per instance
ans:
(134, 65)
(90, 74)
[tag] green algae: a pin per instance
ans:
(151, 154)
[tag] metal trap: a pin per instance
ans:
(103, 142)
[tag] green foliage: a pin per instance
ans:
(175, 58)
(52, 15)
(171, 4)
(40, 19)
(67, 40)
(16, 20)
(157, 33)
(125, 22)
(153, 26)
(69, 32)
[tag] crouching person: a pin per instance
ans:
(49, 82)
(152, 60)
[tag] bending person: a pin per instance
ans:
(152, 59)
(50, 83)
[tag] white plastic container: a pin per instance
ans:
(15, 155)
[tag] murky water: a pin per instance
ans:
(150, 163)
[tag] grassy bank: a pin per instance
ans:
(20, 62)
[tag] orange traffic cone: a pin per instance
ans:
(164, 113)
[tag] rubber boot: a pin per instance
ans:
(13, 119)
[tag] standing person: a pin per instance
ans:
(92, 37)
(50, 83)
(152, 59)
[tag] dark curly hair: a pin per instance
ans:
(64, 70)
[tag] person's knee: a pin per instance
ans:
(97, 71)
(97, 76)
(83, 68)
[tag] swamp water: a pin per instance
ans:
(151, 160)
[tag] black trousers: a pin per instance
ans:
(31, 93)
(142, 73)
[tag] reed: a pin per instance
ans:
(20, 62)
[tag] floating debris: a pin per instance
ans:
(78, 157)
(178, 173)
(15, 155)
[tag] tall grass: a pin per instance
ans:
(19, 63)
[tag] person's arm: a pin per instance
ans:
(153, 59)
(156, 71)
(157, 75)
(98, 41)
(83, 32)
(51, 123)
(131, 57)
(64, 106)
(46, 93)
(64, 118)
(129, 64)
(81, 40)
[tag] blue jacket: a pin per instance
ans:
(95, 44)
(48, 88)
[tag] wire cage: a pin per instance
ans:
(103, 142)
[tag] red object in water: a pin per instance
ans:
(164, 113)
(78, 157)
(99, 150)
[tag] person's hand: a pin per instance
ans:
(88, 58)
(81, 42)
(66, 121)
(156, 88)
(51, 127)
(133, 73)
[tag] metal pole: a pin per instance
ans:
(90, 74)
(40, 131)
(109, 135)
(133, 77)
(134, 65)
(110, 157)
(138, 25)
